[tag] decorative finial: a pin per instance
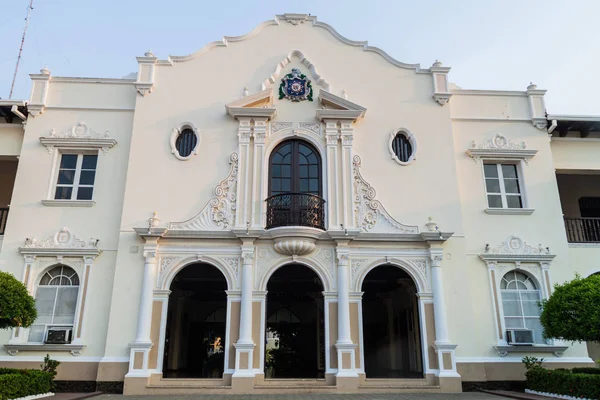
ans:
(246, 91)
(149, 53)
(345, 94)
(154, 221)
(45, 71)
(431, 225)
(436, 63)
(532, 86)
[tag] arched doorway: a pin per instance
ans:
(196, 324)
(295, 327)
(391, 329)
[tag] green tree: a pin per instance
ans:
(573, 311)
(17, 307)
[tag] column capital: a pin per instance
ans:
(436, 259)
(29, 258)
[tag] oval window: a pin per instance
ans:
(402, 147)
(186, 142)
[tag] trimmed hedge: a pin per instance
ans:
(564, 382)
(23, 382)
(586, 370)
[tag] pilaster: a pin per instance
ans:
(258, 188)
(441, 90)
(39, 92)
(244, 348)
(344, 346)
(145, 77)
(537, 106)
(244, 182)
(333, 209)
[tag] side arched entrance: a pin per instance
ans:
(196, 323)
(295, 331)
(391, 324)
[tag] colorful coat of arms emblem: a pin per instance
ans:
(296, 87)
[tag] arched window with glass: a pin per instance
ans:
(521, 304)
(295, 186)
(56, 303)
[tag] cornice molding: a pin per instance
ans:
(500, 147)
(62, 243)
(295, 19)
(515, 249)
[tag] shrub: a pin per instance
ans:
(586, 370)
(23, 382)
(572, 312)
(17, 307)
(564, 382)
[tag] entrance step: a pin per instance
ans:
(187, 383)
(398, 389)
(396, 382)
(293, 382)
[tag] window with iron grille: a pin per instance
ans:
(186, 142)
(402, 146)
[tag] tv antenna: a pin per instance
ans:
(12, 87)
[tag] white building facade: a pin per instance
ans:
(291, 210)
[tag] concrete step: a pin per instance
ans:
(399, 389)
(397, 382)
(293, 382)
(187, 382)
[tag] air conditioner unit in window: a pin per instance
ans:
(518, 337)
(58, 335)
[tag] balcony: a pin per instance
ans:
(296, 209)
(583, 230)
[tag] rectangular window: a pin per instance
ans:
(502, 186)
(76, 175)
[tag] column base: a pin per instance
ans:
(446, 360)
(347, 383)
(138, 359)
(346, 360)
(450, 385)
(244, 353)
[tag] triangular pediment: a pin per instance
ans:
(257, 104)
(338, 107)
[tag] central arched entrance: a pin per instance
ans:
(196, 324)
(294, 324)
(391, 326)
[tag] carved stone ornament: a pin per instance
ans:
(501, 147)
(278, 126)
(80, 136)
(295, 86)
(219, 212)
(63, 239)
(515, 245)
(370, 214)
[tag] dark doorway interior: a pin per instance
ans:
(392, 339)
(295, 325)
(195, 334)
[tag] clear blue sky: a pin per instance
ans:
(490, 44)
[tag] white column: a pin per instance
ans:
(343, 300)
(145, 313)
(246, 301)
(443, 347)
(439, 305)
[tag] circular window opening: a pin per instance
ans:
(186, 142)
(402, 147)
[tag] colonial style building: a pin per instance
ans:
(292, 210)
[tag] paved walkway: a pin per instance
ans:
(313, 396)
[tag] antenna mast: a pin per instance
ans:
(21, 48)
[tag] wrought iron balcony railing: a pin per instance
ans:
(295, 209)
(583, 230)
(3, 218)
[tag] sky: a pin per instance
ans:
(489, 44)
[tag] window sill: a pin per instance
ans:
(13, 349)
(503, 351)
(69, 203)
(509, 211)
